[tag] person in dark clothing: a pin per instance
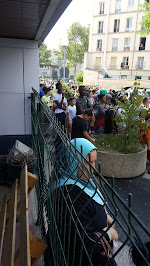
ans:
(100, 114)
(79, 125)
(82, 102)
(86, 205)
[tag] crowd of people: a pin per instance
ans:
(90, 111)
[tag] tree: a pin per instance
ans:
(78, 40)
(44, 55)
(146, 19)
(79, 76)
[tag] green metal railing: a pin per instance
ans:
(56, 215)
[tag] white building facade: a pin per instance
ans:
(115, 50)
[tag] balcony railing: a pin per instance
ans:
(141, 48)
(118, 10)
(114, 49)
(98, 49)
(101, 12)
(139, 66)
(128, 29)
(123, 66)
(126, 48)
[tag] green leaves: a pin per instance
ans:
(146, 19)
(79, 76)
(133, 116)
(44, 55)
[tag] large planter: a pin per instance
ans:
(122, 165)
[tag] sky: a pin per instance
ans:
(77, 11)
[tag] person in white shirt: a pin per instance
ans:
(71, 113)
(59, 104)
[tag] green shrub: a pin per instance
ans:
(79, 76)
(68, 92)
(133, 117)
(115, 143)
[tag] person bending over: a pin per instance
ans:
(79, 125)
(86, 206)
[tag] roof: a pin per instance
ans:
(29, 19)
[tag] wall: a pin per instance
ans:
(19, 72)
(92, 77)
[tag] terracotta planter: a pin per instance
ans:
(122, 165)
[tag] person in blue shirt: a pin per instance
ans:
(41, 92)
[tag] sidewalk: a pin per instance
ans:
(140, 189)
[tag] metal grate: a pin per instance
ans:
(58, 215)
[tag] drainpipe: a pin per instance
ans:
(106, 36)
(137, 15)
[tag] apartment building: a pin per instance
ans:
(115, 50)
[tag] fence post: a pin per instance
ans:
(40, 114)
(33, 122)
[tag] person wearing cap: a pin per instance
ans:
(100, 114)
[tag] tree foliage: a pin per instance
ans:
(44, 55)
(146, 19)
(79, 76)
(78, 39)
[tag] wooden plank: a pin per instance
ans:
(32, 181)
(3, 223)
(11, 232)
(24, 253)
(16, 258)
(37, 248)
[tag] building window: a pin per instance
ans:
(131, 2)
(101, 11)
(125, 63)
(116, 25)
(100, 27)
(124, 76)
(115, 45)
(129, 24)
(142, 27)
(99, 45)
(140, 63)
(98, 63)
(127, 44)
(142, 44)
(118, 6)
(113, 62)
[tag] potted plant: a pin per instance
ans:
(122, 155)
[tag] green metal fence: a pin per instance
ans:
(57, 218)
